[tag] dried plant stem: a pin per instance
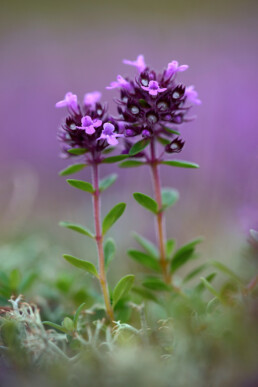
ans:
(160, 215)
(99, 242)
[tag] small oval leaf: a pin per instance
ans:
(77, 151)
(122, 288)
(156, 284)
(146, 201)
(114, 159)
(109, 251)
(81, 264)
(77, 228)
(145, 260)
(169, 197)
(72, 169)
(138, 147)
(80, 184)
(180, 164)
(112, 216)
(107, 181)
(148, 246)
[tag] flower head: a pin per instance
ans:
(109, 134)
(90, 99)
(153, 88)
(69, 101)
(154, 101)
(139, 63)
(88, 124)
(82, 129)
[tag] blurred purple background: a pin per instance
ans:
(50, 47)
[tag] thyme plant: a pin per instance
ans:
(151, 108)
(89, 132)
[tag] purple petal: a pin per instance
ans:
(108, 129)
(90, 130)
(97, 123)
(90, 99)
(112, 140)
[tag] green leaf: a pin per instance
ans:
(109, 251)
(81, 264)
(109, 150)
(208, 286)
(112, 216)
(168, 130)
(184, 253)
(200, 287)
(146, 201)
(224, 269)
(181, 258)
(80, 184)
(147, 245)
(145, 260)
(145, 293)
(122, 288)
(27, 281)
(195, 272)
(77, 151)
(14, 279)
(169, 197)
(72, 169)
(181, 164)
(77, 314)
(114, 159)
(163, 141)
(56, 326)
(170, 245)
(68, 324)
(131, 164)
(138, 147)
(77, 228)
(107, 181)
(156, 284)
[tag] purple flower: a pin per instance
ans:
(109, 135)
(120, 82)
(173, 67)
(89, 124)
(192, 95)
(139, 63)
(153, 88)
(90, 99)
(70, 101)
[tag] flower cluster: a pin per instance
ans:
(153, 103)
(88, 128)
(149, 106)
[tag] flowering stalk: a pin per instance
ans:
(99, 242)
(154, 163)
(149, 107)
(88, 130)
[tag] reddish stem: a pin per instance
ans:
(160, 218)
(99, 241)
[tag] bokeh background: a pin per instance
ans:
(50, 47)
